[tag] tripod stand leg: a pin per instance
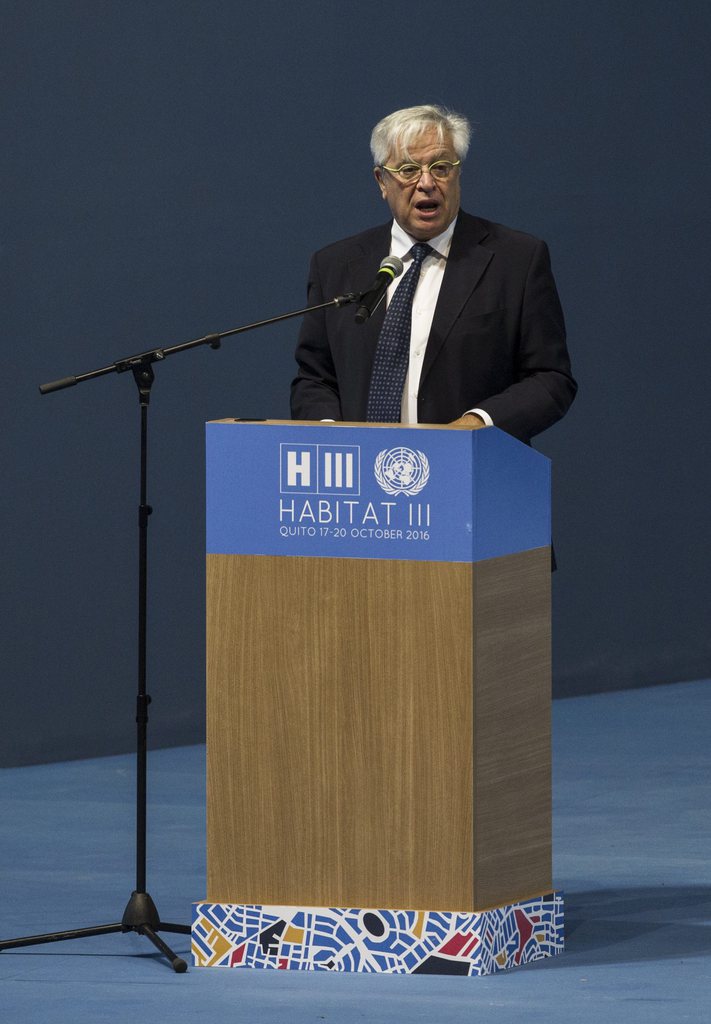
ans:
(181, 929)
(76, 933)
(141, 916)
(177, 963)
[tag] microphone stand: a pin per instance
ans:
(141, 915)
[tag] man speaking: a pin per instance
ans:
(471, 331)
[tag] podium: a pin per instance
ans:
(378, 700)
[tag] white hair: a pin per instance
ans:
(396, 131)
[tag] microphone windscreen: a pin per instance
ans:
(393, 263)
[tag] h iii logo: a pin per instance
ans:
(320, 469)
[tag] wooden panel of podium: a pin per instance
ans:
(378, 693)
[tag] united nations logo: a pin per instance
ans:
(402, 471)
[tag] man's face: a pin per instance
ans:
(423, 208)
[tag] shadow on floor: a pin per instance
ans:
(631, 925)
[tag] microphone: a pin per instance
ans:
(390, 268)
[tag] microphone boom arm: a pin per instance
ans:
(156, 355)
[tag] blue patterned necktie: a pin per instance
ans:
(393, 352)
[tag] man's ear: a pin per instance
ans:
(377, 171)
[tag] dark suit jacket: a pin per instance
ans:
(497, 340)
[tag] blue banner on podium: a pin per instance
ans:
(295, 489)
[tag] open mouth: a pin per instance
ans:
(427, 206)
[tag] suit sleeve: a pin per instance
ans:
(543, 387)
(314, 390)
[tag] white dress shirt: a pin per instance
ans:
(423, 307)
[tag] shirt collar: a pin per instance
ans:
(401, 242)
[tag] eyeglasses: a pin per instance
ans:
(408, 173)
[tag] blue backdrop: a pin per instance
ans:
(168, 167)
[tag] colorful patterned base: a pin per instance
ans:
(377, 941)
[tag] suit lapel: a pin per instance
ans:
(467, 261)
(362, 268)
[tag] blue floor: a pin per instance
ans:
(632, 843)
